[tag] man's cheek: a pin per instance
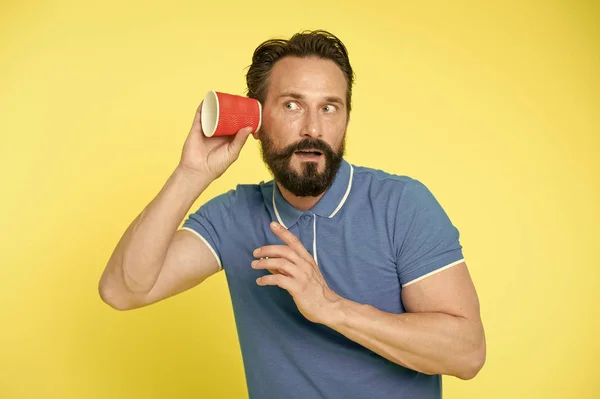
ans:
(292, 127)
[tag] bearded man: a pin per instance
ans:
(346, 281)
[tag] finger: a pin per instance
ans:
(240, 138)
(285, 282)
(292, 241)
(197, 124)
(278, 251)
(275, 265)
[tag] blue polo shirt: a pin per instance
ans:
(372, 233)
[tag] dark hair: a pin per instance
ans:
(317, 43)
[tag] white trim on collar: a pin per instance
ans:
(275, 206)
(345, 195)
(342, 202)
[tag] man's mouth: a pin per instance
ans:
(308, 153)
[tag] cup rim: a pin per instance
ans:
(210, 113)
(259, 116)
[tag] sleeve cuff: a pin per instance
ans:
(207, 244)
(428, 271)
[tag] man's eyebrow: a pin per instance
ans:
(334, 99)
(292, 95)
(297, 96)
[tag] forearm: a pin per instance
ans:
(140, 253)
(431, 343)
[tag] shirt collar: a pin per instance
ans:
(328, 206)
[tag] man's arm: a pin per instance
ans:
(153, 261)
(442, 332)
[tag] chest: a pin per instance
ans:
(355, 256)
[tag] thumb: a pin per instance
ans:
(235, 147)
(197, 123)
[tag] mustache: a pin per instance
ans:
(306, 144)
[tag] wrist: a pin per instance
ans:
(185, 186)
(192, 178)
(334, 312)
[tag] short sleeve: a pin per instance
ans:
(429, 242)
(211, 221)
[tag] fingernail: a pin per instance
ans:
(256, 251)
(254, 263)
(275, 225)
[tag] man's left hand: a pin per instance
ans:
(295, 270)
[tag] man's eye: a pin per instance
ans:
(291, 105)
(329, 108)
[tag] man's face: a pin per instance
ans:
(304, 124)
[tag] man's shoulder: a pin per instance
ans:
(242, 194)
(378, 179)
(407, 188)
(253, 192)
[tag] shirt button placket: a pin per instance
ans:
(306, 233)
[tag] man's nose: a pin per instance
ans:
(312, 125)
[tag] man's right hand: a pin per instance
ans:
(210, 157)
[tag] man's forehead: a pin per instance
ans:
(307, 76)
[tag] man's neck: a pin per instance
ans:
(301, 203)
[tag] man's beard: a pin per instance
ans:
(309, 182)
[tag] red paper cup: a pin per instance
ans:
(225, 114)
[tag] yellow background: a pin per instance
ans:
(494, 106)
